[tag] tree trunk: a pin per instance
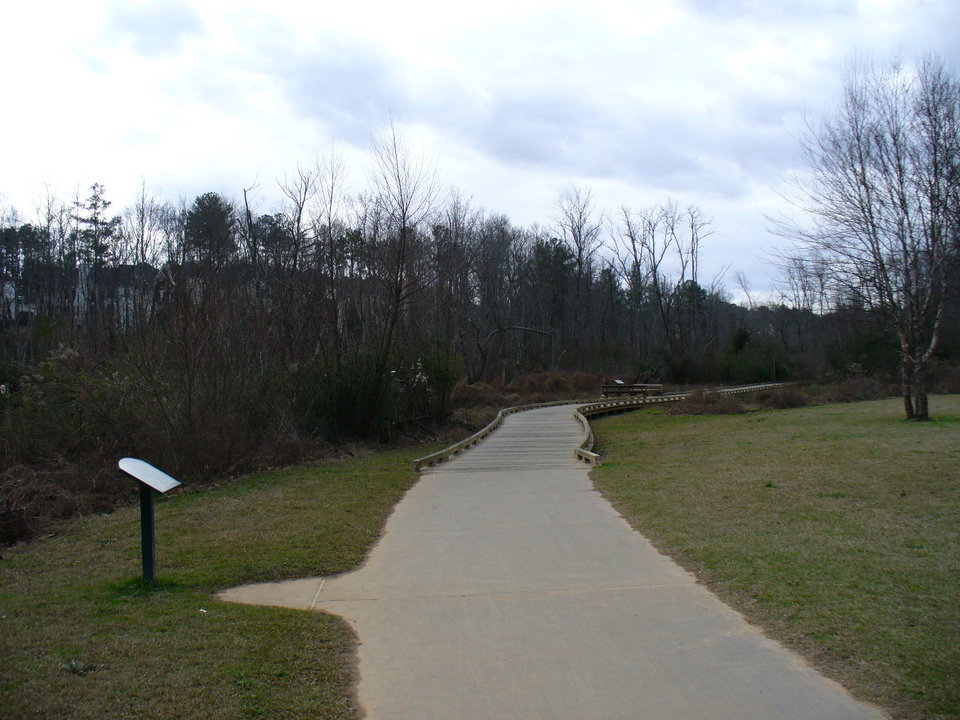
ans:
(906, 385)
(920, 407)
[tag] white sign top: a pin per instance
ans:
(148, 474)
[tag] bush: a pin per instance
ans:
(708, 403)
(475, 395)
(784, 399)
(583, 382)
(473, 419)
(944, 378)
(532, 388)
(443, 371)
(857, 389)
(558, 384)
(72, 418)
(32, 497)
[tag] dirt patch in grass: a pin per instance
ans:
(837, 528)
(81, 637)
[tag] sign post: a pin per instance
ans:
(150, 480)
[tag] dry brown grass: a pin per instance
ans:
(528, 388)
(857, 389)
(708, 403)
(783, 399)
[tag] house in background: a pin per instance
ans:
(123, 294)
(14, 308)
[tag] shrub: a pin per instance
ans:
(530, 388)
(784, 399)
(443, 370)
(708, 403)
(944, 378)
(31, 497)
(474, 395)
(473, 418)
(857, 389)
(586, 383)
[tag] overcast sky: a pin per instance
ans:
(701, 101)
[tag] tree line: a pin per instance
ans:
(195, 333)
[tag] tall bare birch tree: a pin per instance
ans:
(882, 190)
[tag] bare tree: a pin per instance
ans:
(744, 286)
(882, 188)
(299, 192)
(247, 227)
(405, 182)
(656, 255)
(330, 204)
(579, 228)
(406, 192)
(330, 252)
(141, 229)
(803, 282)
(8, 214)
(452, 256)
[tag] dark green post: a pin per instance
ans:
(146, 532)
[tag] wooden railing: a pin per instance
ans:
(455, 449)
(583, 412)
(608, 389)
(584, 451)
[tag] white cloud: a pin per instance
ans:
(693, 99)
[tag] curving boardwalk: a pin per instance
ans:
(505, 587)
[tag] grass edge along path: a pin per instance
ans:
(835, 528)
(81, 637)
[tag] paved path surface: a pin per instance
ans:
(507, 588)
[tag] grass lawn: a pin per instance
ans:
(80, 637)
(837, 528)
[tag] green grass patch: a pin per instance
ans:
(837, 528)
(81, 636)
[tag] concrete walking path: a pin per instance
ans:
(506, 588)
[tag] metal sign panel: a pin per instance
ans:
(148, 474)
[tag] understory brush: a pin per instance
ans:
(708, 403)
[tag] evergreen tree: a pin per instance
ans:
(96, 231)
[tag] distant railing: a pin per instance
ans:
(584, 451)
(644, 389)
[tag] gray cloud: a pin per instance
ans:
(653, 146)
(540, 108)
(537, 116)
(349, 86)
(157, 26)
